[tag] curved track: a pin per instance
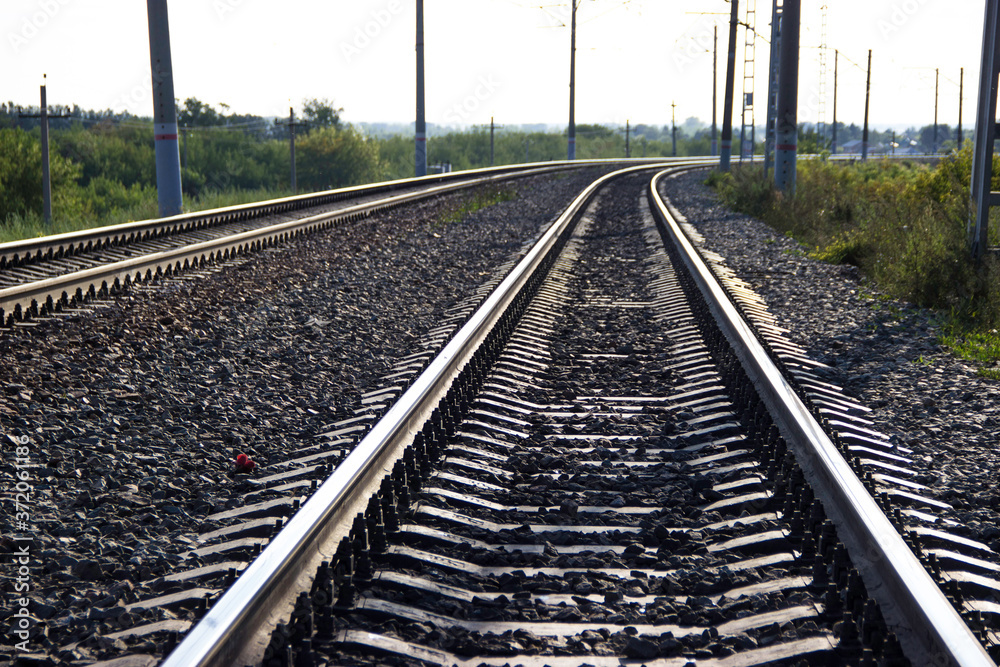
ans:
(621, 476)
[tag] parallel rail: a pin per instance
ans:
(19, 253)
(236, 628)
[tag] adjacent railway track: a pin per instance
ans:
(614, 458)
(40, 276)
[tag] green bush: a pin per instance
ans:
(904, 224)
(21, 177)
(331, 158)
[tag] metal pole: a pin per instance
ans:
(786, 129)
(628, 152)
(961, 84)
(168, 160)
(673, 127)
(715, 86)
(934, 142)
(46, 174)
(772, 87)
(492, 154)
(571, 150)
(291, 144)
(184, 134)
(727, 109)
(985, 133)
(833, 142)
(421, 128)
(868, 92)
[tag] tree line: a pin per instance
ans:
(103, 162)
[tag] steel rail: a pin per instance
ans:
(17, 253)
(928, 627)
(44, 295)
(235, 630)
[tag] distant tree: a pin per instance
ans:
(195, 113)
(21, 176)
(926, 136)
(321, 113)
(329, 158)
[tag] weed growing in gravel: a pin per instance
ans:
(904, 224)
(483, 198)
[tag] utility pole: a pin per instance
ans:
(292, 124)
(46, 174)
(421, 125)
(727, 110)
(833, 141)
(571, 150)
(772, 87)
(43, 115)
(168, 162)
(715, 85)
(786, 130)
(961, 83)
(868, 92)
(493, 128)
(673, 127)
(291, 146)
(628, 151)
(934, 142)
(821, 116)
(985, 134)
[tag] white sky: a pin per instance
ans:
(503, 58)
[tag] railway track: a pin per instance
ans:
(58, 273)
(588, 472)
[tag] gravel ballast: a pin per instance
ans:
(131, 417)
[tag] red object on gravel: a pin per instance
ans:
(244, 463)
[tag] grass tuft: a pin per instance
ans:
(483, 198)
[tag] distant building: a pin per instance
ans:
(853, 146)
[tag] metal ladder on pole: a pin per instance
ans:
(986, 132)
(747, 131)
(771, 126)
